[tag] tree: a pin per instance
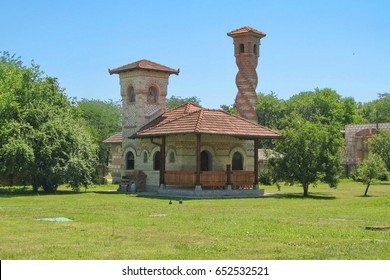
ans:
(175, 101)
(377, 111)
(41, 134)
(370, 169)
(270, 110)
(309, 152)
(325, 106)
(104, 119)
(380, 145)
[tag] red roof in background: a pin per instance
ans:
(143, 64)
(191, 118)
(116, 138)
(246, 29)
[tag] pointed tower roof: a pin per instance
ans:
(145, 65)
(246, 30)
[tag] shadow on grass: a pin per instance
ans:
(310, 196)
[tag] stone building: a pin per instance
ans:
(189, 148)
(357, 146)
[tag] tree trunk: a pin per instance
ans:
(365, 193)
(306, 190)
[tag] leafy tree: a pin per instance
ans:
(270, 110)
(377, 111)
(309, 152)
(40, 133)
(175, 101)
(104, 119)
(370, 169)
(380, 145)
(325, 106)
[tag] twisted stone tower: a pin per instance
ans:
(246, 42)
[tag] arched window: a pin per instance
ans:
(152, 95)
(205, 161)
(130, 94)
(242, 48)
(255, 49)
(237, 161)
(130, 161)
(157, 161)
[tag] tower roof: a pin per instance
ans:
(145, 65)
(245, 30)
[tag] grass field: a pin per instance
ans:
(328, 225)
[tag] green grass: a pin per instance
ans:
(328, 225)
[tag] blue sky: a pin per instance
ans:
(344, 45)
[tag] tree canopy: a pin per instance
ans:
(41, 134)
(310, 152)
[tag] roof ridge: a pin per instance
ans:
(199, 120)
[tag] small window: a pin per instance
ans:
(130, 161)
(157, 161)
(145, 157)
(130, 95)
(152, 95)
(242, 48)
(237, 161)
(171, 157)
(255, 49)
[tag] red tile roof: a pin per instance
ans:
(143, 64)
(191, 118)
(116, 138)
(246, 29)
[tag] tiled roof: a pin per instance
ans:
(116, 138)
(246, 29)
(191, 118)
(143, 64)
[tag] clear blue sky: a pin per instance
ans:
(344, 45)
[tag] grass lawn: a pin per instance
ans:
(328, 225)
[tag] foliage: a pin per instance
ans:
(270, 110)
(104, 119)
(380, 145)
(377, 111)
(370, 169)
(231, 109)
(40, 132)
(325, 106)
(175, 101)
(310, 152)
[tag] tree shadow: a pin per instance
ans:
(315, 196)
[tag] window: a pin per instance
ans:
(152, 95)
(255, 49)
(157, 161)
(129, 161)
(242, 48)
(130, 95)
(205, 161)
(237, 161)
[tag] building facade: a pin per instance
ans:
(188, 146)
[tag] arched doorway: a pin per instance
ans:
(205, 161)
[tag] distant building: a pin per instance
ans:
(357, 147)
